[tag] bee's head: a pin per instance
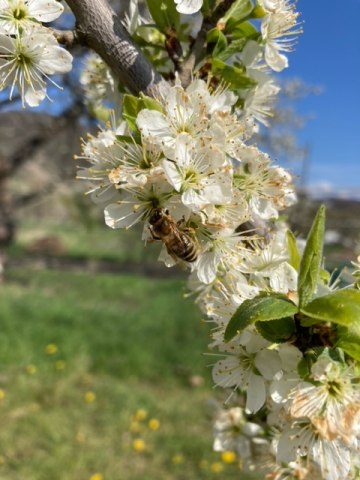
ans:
(156, 215)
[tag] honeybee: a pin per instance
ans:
(178, 243)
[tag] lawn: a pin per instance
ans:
(97, 380)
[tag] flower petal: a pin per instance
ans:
(268, 363)
(255, 393)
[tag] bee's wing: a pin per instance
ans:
(166, 257)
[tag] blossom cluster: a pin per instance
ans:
(190, 158)
(278, 26)
(29, 52)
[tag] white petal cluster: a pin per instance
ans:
(29, 53)
(19, 15)
(279, 29)
(191, 160)
(321, 419)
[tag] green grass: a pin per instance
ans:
(135, 343)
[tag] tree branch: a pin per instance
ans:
(98, 27)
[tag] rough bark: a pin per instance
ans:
(99, 28)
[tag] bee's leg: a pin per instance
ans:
(181, 222)
(189, 230)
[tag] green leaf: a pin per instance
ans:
(150, 35)
(311, 259)
(221, 45)
(245, 30)
(212, 35)
(304, 366)
(293, 250)
(238, 11)
(258, 12)
(132, 106)
(277, 331)
(150, 103)
(341, 307)
(349, 341)
(235, 47)
(129, 139)
(232, 74)
(325, 276)
(164, 14)
(264, 307)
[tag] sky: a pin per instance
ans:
(328, 54)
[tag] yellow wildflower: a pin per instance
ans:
(216, 467)
(2, 394)
(31, 369)
(89, 397)
(51, 349)
(60, 365)
(96, 476)
(140, 414)
(154, 424)
(177, 459)
(228, 456)
(135, 427)
(139, 445)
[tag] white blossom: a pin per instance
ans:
(27, 61)
(306, 438)
(136, 204)
(248, 368)
(19, 15)
(186, 113)
(276, 28)
(201, 178)
(268, 188)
